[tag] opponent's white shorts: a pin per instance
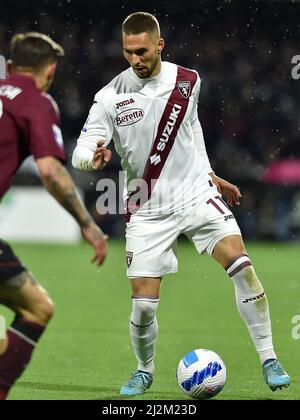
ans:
(151, 241)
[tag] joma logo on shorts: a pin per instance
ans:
(230, 216)
(124, 103)
(131, 116)
(155, 159)
(254, 298)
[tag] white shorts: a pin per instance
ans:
(151, 241)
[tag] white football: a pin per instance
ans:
(201, 374)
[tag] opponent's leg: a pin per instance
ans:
(252, 305)
(143, 332)
(33, 309)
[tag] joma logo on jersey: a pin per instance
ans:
(124, 103)
(199, 376)
(155, 159)
(130, 116)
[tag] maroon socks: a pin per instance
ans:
(22, 338)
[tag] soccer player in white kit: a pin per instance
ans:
(150, 112)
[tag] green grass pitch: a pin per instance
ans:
(86, 353)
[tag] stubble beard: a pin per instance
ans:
(149, 71)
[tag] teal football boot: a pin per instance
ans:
(138, 384)
(274, 375)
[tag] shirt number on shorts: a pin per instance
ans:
(216, 205)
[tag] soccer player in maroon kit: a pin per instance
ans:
(30, 125)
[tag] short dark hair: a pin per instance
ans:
(140, 22)
(33, 50)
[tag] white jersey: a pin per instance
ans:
(155, 128)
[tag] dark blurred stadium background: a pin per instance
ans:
(249, 103)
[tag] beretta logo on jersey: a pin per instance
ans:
(129, 117)
(185, 88)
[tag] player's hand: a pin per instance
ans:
(98, 240)
(101, 156)
(230, 191)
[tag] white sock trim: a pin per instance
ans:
(153, 299)
(237, 265)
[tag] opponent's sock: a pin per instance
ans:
(143, 331)
(252, 305)
(22, 338)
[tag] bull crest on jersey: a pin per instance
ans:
(185, 88)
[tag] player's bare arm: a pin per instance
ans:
(230, 191)
(60, 185)
(101, 156)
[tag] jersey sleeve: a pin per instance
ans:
(44, 134)
(98, 127)
(197, 129)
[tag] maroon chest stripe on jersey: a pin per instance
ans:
(168, 127)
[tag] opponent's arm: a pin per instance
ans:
(60, 185)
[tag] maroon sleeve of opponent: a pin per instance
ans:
(45, 139)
